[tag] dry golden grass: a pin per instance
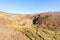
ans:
(21, 27)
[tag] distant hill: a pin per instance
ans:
(41, 26)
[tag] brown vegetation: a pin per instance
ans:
(44, 26)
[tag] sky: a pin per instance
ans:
(29, 6)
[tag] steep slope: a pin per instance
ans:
(44, 26)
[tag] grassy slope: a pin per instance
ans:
(21, 27)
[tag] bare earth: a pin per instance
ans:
(42, 26)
